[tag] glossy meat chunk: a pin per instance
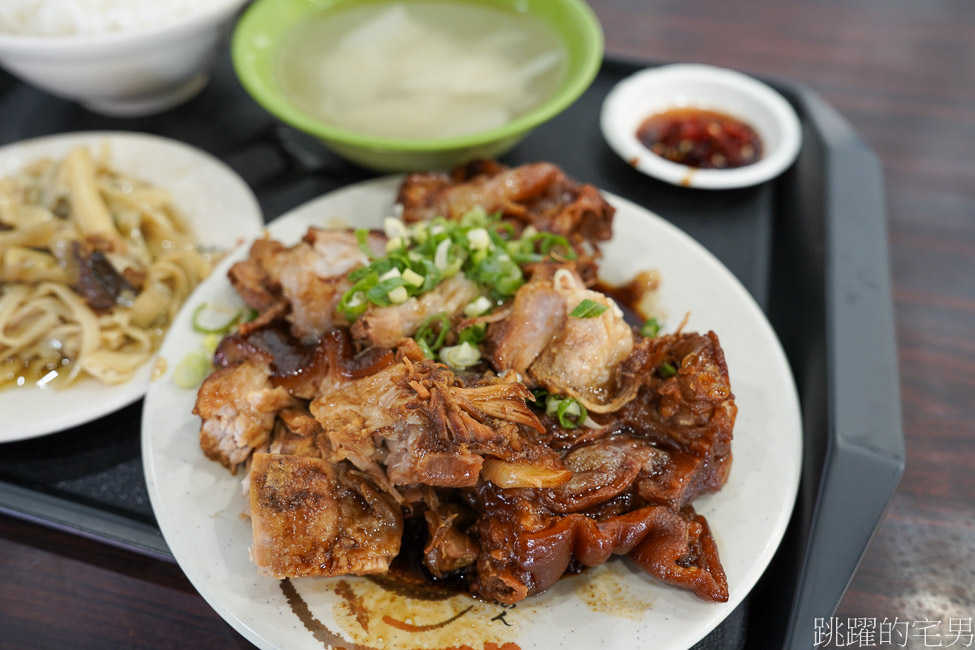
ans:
(602, 470)
(295, 366)
(590, 359)
(97, 280)
(448, 548)
(251, 280)
(693, 411)
(297, 433)
(387, 326)
(311, 517)
(582, 357)
(309, 277)
(237, 405)
(358, 414)
(525, 548)
(539, 194)
(537, 314)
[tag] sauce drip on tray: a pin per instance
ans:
(700, 138)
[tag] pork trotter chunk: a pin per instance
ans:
(312, 517)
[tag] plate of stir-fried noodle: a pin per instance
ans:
(103, 236)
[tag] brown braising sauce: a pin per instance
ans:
(631, 296)
(407, 577)
(700, 138)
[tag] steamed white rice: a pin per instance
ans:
(76, 17)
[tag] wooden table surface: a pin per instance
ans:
(903, 73)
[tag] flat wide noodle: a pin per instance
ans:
(94, 266)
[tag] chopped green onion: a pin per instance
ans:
(362, 236)
(210, 342)
(573, 408)
(191, 371)
(352, 304)
(477, 307)
(398, 296)
(570, 412)
(479, 239)
(440, 257)
(473, 334)
(475, 217)
(430, 341)
(588, 309)
(418, 232)
(379, 294)
(651, 328)
(540, 395)
(420, 256)
(550, 241)
(412, 277)
(463, 355)
(667, 370)
(393, 227)
(205, 328)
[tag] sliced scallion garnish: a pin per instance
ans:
(192, 370)
(588, 309)
(650, 328)
(485, 249)
(473, 334)
(200, 316)
(460, 356)
(432, 334)
(570, 411)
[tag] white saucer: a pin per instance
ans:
(707, 87)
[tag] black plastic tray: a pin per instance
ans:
(811, 247)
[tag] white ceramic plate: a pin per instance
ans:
(198, 504)
(222, 210)
(707, 87)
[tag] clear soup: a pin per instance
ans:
(424, 69)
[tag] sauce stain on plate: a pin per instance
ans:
(606, 592)
(369, 616)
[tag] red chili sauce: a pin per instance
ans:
(700, 138)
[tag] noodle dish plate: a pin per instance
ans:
(216, 203)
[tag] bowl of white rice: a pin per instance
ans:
(115, 57)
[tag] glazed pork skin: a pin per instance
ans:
(312, 517)
(525, 548)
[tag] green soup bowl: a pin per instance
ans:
(267, 24)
